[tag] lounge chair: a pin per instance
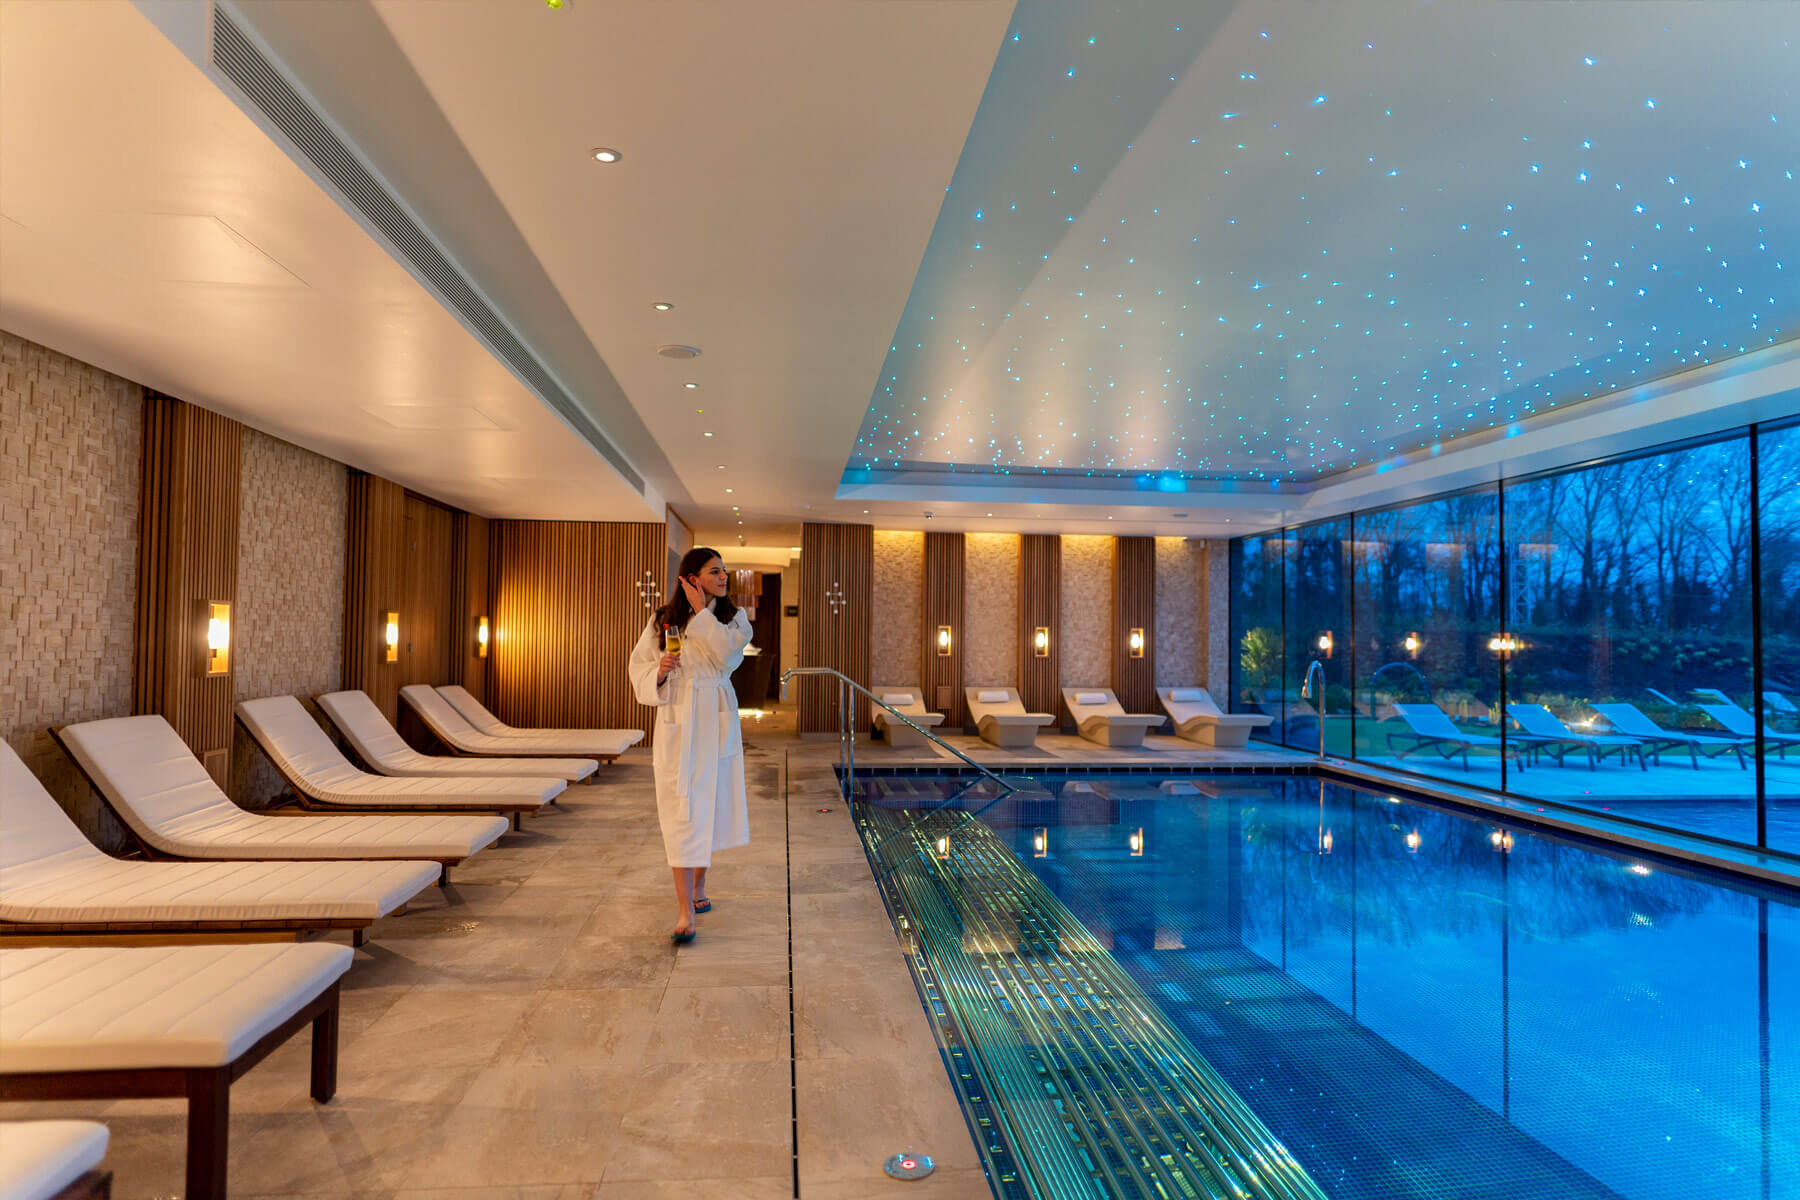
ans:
(1199, 719)
(1739, 723)
(54, 881)
(1547, 732)
(177, 1021)
(1629, 721)
(603, 744)
(53, 1160)
(172, 807)
(1429, 727)
(383, 750)
(1001, 718)
(910, 701)
(1775, 702)
(323, 778)
(1101, 719)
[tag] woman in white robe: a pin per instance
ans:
(699, 752)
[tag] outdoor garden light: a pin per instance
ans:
(1412, 644)
(390, 636)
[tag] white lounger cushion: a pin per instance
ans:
(38, 1159)
(162, 792)
(122, 1008)
(303, 753)
(51, 874)
(1196, 705)
(362, 724)
(1092, 698)
(451, 728)
(1185, 695)
(993, 695)
(897, 699)
(605, 742)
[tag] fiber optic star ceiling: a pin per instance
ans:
(1278, 240)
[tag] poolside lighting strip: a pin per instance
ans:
(1078, 1085)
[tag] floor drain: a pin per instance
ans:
(909, 1165)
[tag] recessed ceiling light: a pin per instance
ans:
(990, 514)
(606, 154)
(728, 491)
(708, 433)
(690, 386)
(663, 306)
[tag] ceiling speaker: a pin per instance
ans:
(675, 351)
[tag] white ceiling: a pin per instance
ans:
(152, 229)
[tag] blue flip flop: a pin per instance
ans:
(682, 938)
(705, 905)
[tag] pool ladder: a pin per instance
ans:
(847, 731)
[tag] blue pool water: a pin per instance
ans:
(1413, 1001)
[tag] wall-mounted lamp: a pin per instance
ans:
(1412, 644)
(1325, 841)
(1413, 841)
(1040, 641)
(942, 847)
(1040, 842)
(1502, 840)
(481, 637)
(218, 638)
(943, 640)
(390, 636)
(1135, 641)
(1325, 643)
(1136, 842)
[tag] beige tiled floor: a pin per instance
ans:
(532, 1033)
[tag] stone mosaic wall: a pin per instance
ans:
(991, 609)
(897, 606)
(71, 446)
(1087, 633)
(1218, 618)
(288, 628)
(1180, 639)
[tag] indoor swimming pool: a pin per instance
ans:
(1278, 986)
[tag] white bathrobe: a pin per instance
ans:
(699, 752)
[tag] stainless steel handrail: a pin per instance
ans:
(847, 735)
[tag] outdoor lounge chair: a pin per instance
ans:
(1429, 727)
(1199, 719)
(323, 778)
(1546, 731)
(910, 701)
(1739, 723)
(1775, 702)
(54, 881)
(1101, 719)
(1001, 718)
(53, 1160)
(178, 1021)
(1629, 721)
(603, 744)
(164, 797)
(382, 749)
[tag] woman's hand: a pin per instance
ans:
(669, 663)
(696, 598)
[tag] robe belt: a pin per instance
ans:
(719, 691)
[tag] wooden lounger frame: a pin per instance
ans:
(156, 854)
(206, 1089)
(93, 1185)
(312, 805)
(458, 752)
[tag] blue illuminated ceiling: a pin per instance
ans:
(1279, 240)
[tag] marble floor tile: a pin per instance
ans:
(615, 962)
(721, 959)
(583, 1027)
(852, 1112)
(720, 1024)
(706, 1121)
(962, 1183)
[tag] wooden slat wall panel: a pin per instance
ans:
(469, 586)
(187, 557)
(1040, 603)
(374, 585)
(428, 609)
(1134, 606)
(944, 606)
(842, 556)
(566, 612)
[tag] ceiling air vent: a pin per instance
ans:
(266, 85)
(674, 351)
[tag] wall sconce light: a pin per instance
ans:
(943, 640)
(1325, 841)
(218, 638)
(390, 636)
(1136, 842)
(1412, 644)
(1325, 643)
(1040, 641)
(481, 637)
(1040, 842)
(1135, 640)
(1413, 841)
(1502, 840)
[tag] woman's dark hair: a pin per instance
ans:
(678, 612)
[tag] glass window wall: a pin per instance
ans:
(1778, 465)
(1257, 663)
